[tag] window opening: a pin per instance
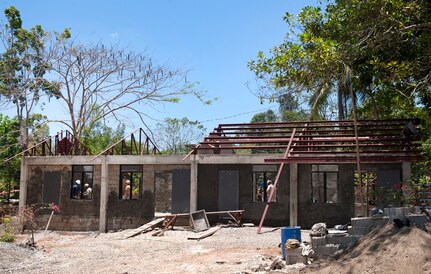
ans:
(324, 183)
(82, 182)
(263, 180)
(130, 181)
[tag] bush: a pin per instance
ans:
(7, 235)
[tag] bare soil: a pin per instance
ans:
(388, 250)
(229, 250)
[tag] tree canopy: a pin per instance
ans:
(9, 146)
(382, 48)
(23, 67)
(173, 135)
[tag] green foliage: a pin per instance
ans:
(385, 44)
(9, 146)
(267, 116)
(23, 65)
(174, 135)
(7, 235)
(100, 136)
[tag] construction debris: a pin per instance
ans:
(318, 229)
(292, 244)
(145, 228)
(204, 234)
(199, 220)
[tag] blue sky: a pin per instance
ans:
(214, 40)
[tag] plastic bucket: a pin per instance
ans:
(289, 232)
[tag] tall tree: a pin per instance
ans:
(173, 135)
(101, 82)
(384, 45)
(23, 66)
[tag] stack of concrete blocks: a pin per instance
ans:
(322, 248)
(327, 245)
(361, 226)
(411, 213)
(295, 256)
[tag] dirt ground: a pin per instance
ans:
(387, 250)
(229, 250)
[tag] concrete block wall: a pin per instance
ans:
(418, 220)
(324, 251)
(329, 244)
(369, 221)
(342, 241)
(71, 223)
(295, 256)
(318, 241)
(400, 212)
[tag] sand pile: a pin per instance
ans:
(387, 250)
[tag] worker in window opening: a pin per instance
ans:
(261, 189)
(259, 194)
(126, 193)
(87, 191)
(269, 189)
(76, 189)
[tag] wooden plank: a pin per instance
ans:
(235, 215)
(143, 228)
(204, 234)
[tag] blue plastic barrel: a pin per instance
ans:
(289, 232)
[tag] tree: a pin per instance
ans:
(289, 110)
(100, 137)
(9, 146)
(383, 47)
(101, 82)
(23, 65)
(262, 117)
(173, 135)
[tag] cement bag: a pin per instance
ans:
(318, 229)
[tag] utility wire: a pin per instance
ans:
(239, 114)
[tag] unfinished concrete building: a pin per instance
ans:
(313, 166)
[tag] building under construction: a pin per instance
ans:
(322, 171)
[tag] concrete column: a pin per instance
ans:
(193, 183)
(103, 216)
(23, 184)
(406, 171)
(293, 203)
